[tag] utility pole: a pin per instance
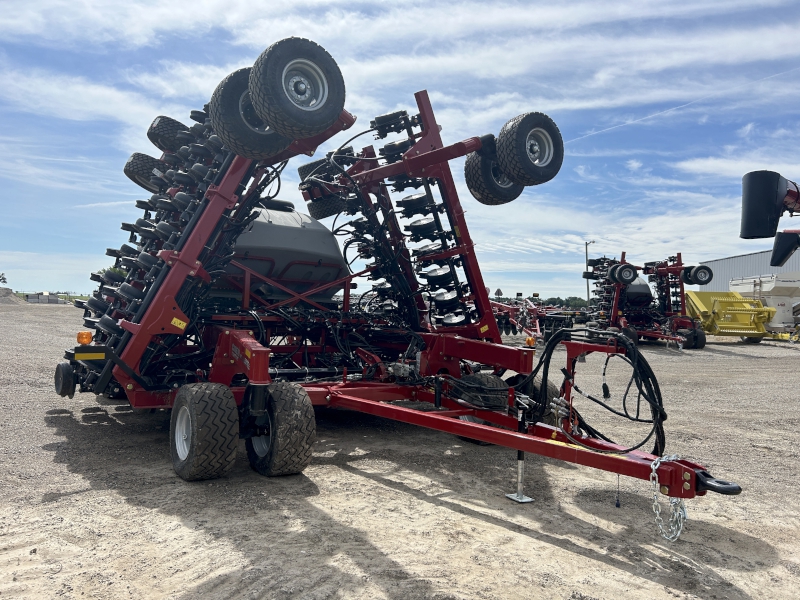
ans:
(586, 248)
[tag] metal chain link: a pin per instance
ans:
(677, 509)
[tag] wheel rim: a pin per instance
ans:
(305, 84)
(500, 178)
(539, 146)
(249, 116)
(261, 445)
(183, 432)
(702, 276)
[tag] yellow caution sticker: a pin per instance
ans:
(247, 353)
(178, 323)
(90, 356)
(484, 329)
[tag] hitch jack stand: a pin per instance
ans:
(519, 496)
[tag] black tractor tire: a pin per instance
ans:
(487, 183)
(533, 391)
(322, 208)
(691, 338)
(287, 448)
(630, 333)
(139, 169)
(751, 340)
(686, 276)
(700, 339)
(486, 380)
(297, 88)
(701, 275)
(236, 122)
(626, 274)
(612, 273)
(203, 431)
(530, 149)
(162, 132)
(316, 167)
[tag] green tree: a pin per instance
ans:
(3, 278)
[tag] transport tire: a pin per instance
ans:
(139, 169)
(297, 88)
(162, 132)
(486, 380)
(752, 340)
(487, 183)
(701, 275)
(292, 430)
(236, 122)
(322, 208)
(626, 274)
(203, 431)
(532, 390)
(612, 273)
(315, 167)
(686, 276)
(691, 338)
(630, 333)
(530, 149)
(700, 340)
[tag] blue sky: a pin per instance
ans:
(80, 82)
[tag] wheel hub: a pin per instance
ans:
(249, 116)
(500, 178)
(305, 84)
(261, 445)
(539, 146)
(183, 432)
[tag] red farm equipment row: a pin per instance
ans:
(536, 321)
(624, 301)
(222, 306)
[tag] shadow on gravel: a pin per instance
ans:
(129, 454)
(741, 354)
(701, 545)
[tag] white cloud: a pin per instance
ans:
(633, 164)
(746, 130)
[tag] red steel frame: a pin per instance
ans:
(237, 352)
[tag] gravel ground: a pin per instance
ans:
(90, 506)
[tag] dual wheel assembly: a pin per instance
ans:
(293, 91)
(529, 150)
(206, 426)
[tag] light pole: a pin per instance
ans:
(586, 248)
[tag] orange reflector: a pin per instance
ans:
(530, 341)
(84, 337)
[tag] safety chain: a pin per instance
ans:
(677, 508)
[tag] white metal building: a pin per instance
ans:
(745, 265)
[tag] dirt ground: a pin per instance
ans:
(91, 508)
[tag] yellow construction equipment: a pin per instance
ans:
(729, 313)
